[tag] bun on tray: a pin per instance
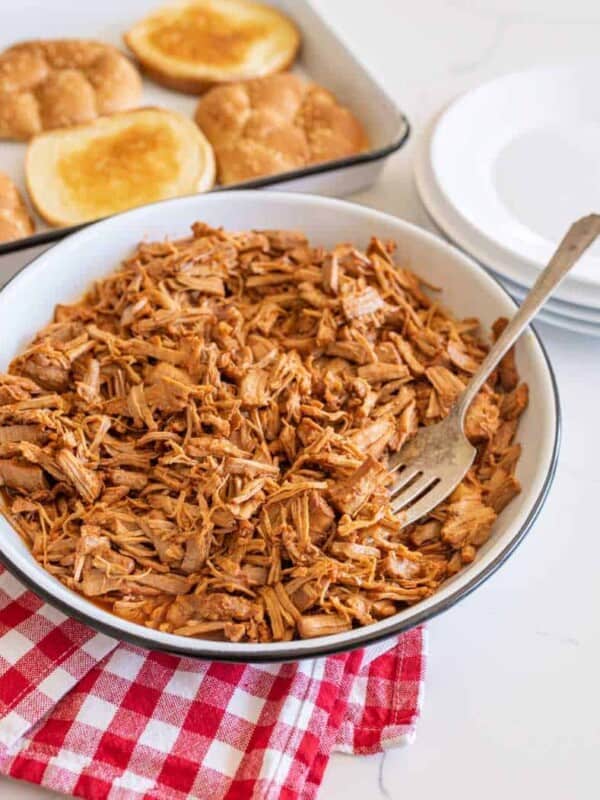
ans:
(190, 45)
(15, 219)
(276, 124)
(117, 162)
(46, 84)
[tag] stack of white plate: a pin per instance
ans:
(505, 170)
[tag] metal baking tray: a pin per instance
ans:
(323, 57)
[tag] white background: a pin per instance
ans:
(512, 705)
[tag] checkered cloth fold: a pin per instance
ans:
(84, 715)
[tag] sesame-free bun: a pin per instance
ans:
(15, 219)
(46, 84)
(276, 124)
(117, 162)
(190, 45)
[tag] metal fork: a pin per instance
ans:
(434, 462)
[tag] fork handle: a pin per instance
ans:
(579, 237)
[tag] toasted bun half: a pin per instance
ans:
(15, 219)
(117, 162)
(191, 45)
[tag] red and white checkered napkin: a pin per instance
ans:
(82, 714)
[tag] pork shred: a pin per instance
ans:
(201, 443)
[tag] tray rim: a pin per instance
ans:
(371, 156)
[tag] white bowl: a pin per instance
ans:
(64, 272)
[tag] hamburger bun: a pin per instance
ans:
(190, 45)
(117, 162)
(47, 84)
(276, 124)
(15, 219)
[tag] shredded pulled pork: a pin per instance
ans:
(201, 443)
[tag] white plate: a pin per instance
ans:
(558, 313)
(62, 273)
(554, 306)
(566, 324)
(460, 231)
(552, 317)
(519, 159)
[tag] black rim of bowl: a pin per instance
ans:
(366, 638)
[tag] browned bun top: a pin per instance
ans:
(15, 220)
(46, 84)
(275, 124)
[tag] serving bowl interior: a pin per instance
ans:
(64, 272)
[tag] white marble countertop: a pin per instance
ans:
(512, 705)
